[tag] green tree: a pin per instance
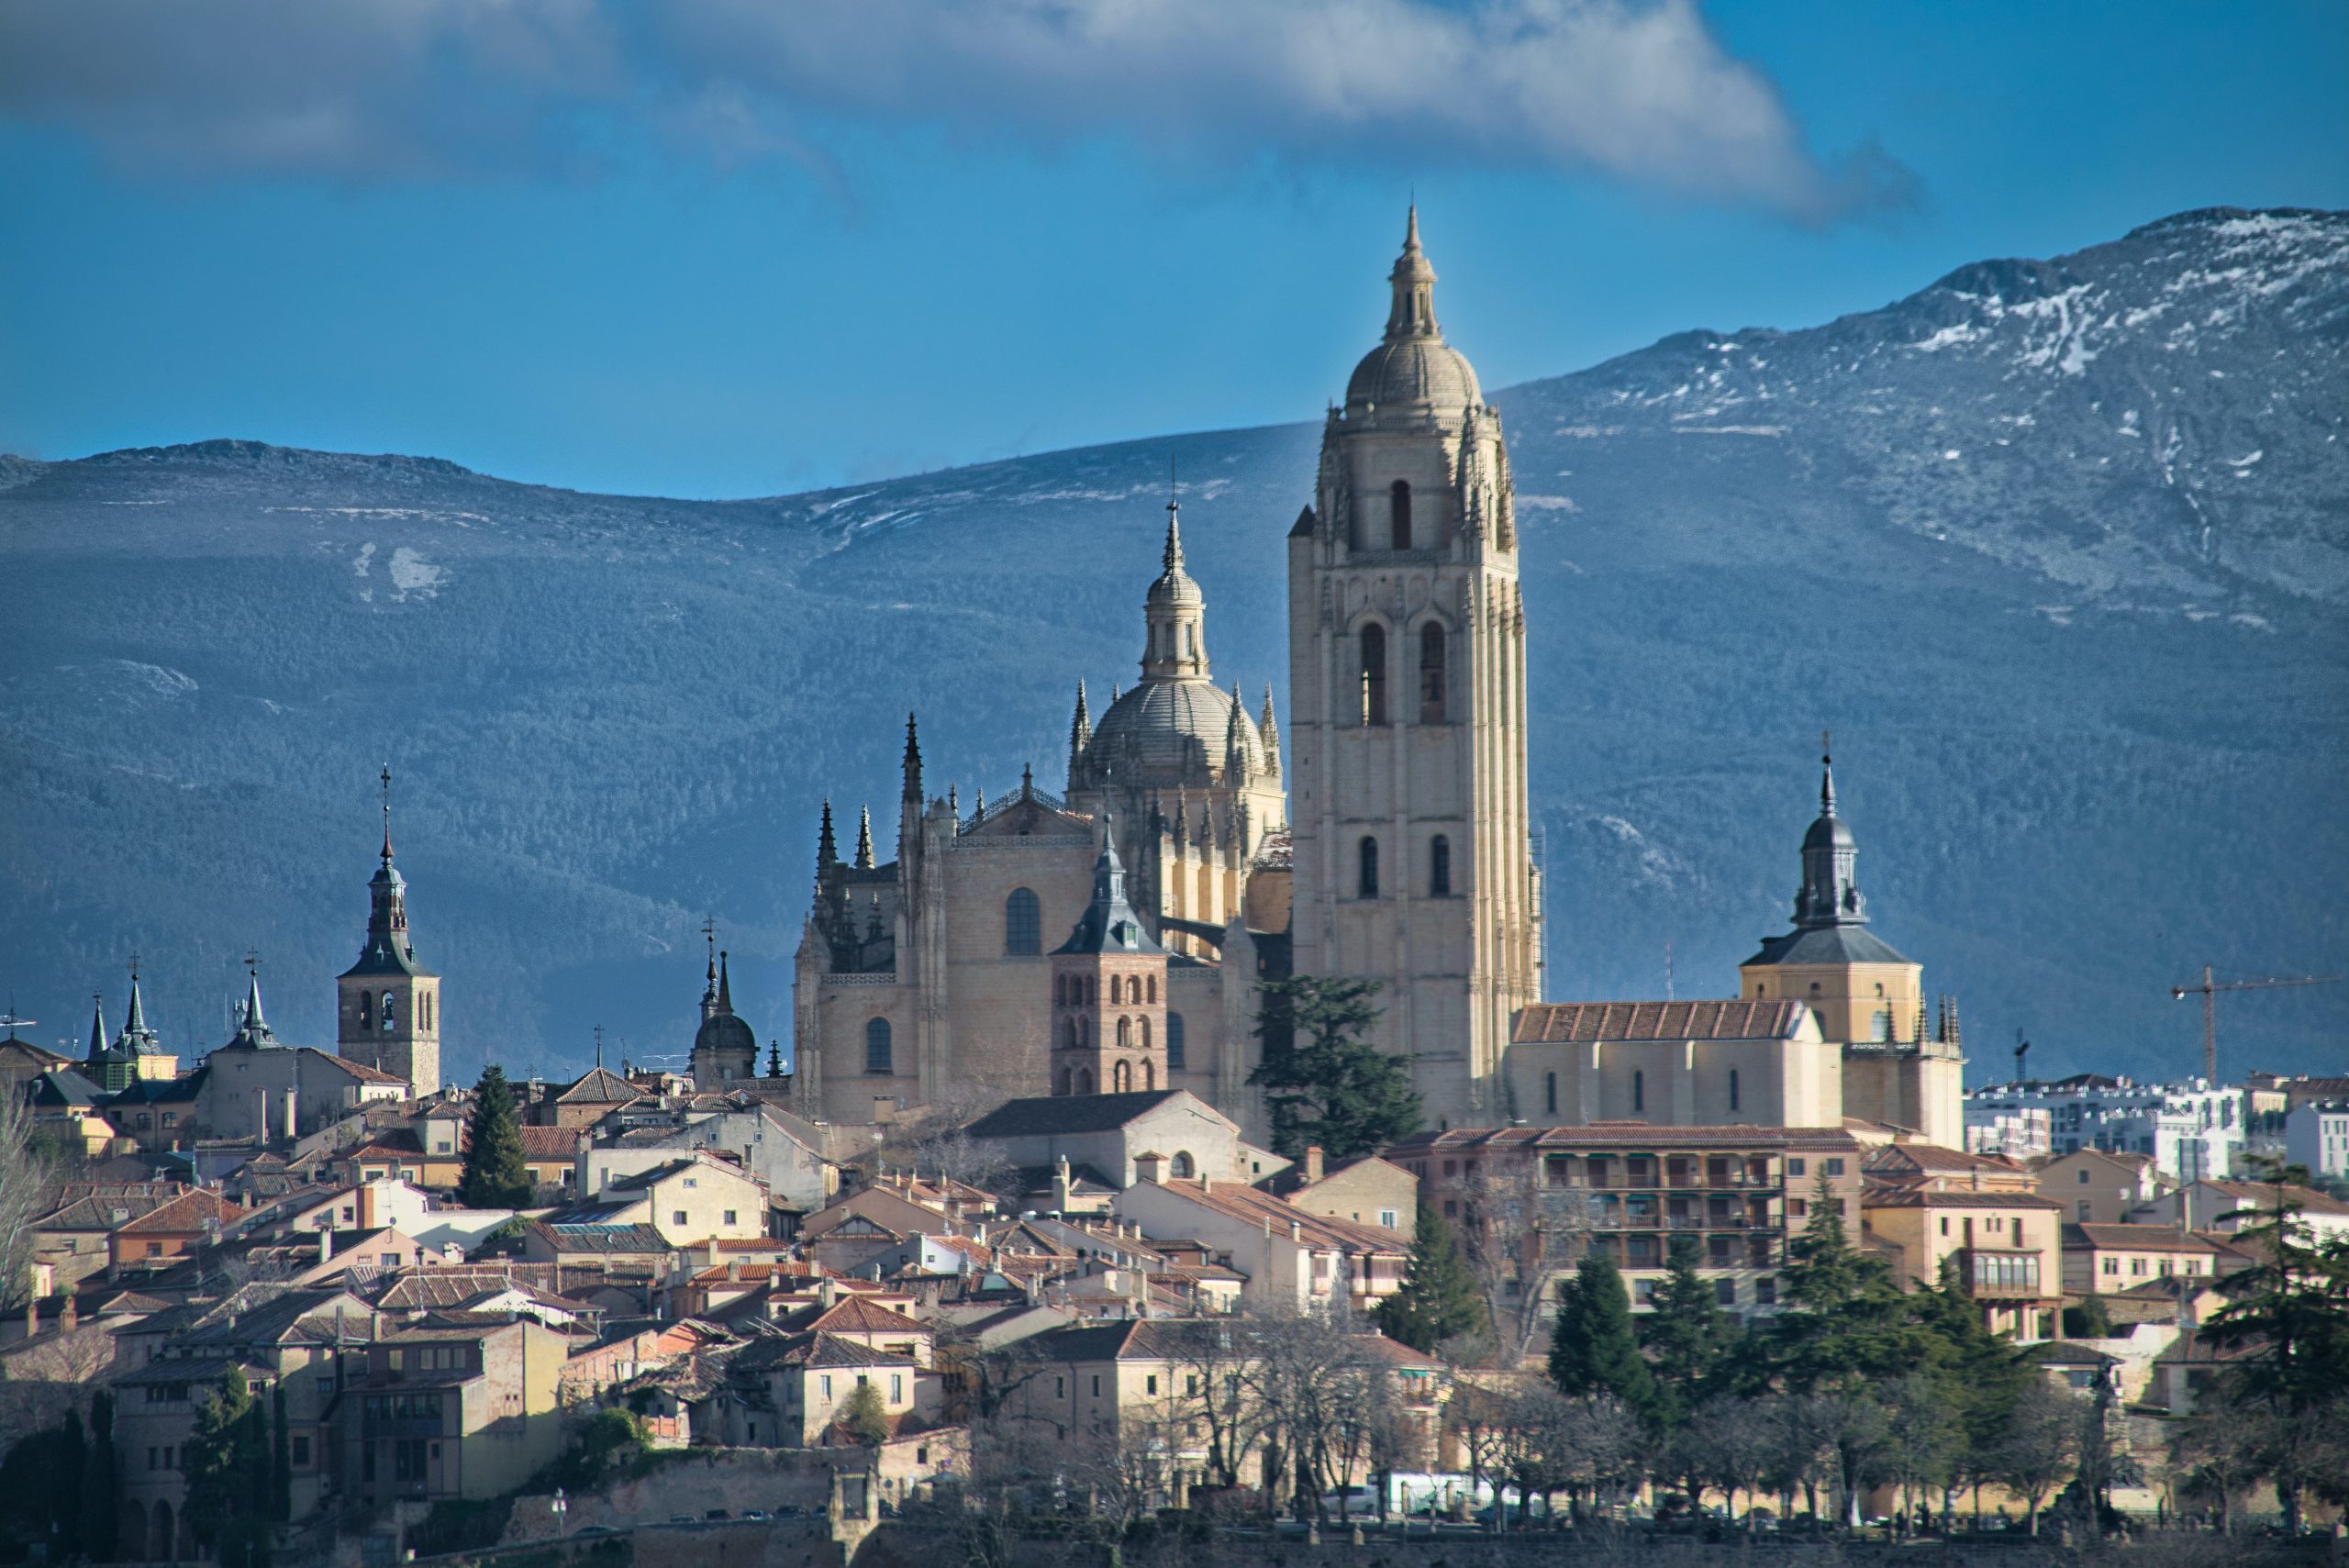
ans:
(1439, 1300)
(495, 1175)
(101, 1482)
(1852, 1321)
(1685, 1333)
(1593, 1350)
(863, 1416)
(1325, 1084)
(226, 1462)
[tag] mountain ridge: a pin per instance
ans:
(2089, 631)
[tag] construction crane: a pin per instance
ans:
(2208, 991)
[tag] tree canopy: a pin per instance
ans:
(1439, 1300)
(495, 1175)
(1324, 1083)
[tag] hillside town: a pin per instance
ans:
(1185, 1164)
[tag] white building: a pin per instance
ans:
(2192, 1131)
(2019, 1133)
(2317, 1136)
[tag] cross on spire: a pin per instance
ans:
(386, 777)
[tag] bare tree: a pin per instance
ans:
(1520, 1236)
(1924, 1438)
(1305, 1367)
(1800, 1447)
(2041, 1447)
(24, 1178)
(1733, 1447)
(1214, 1365)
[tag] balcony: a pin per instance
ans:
(1991, 1274)
(1620, 1184)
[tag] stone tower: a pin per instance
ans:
(1406, 693)
(388, 1007)
(1108, 995)
(1869, 996)
(726, 1053)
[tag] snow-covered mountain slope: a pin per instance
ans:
(2058, 547)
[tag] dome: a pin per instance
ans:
(1417, 370)
(725, 1032)
(1828, 833)
(1170, 732)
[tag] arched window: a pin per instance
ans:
(1023, 923)
(1145, 1034)
(1125, 1033)
(1440, 867)
(1639, 1091)
(1431, 654)
(1373, 675)
(1183, 1164)
(1068, 1080)
(1068, 1033)
(1084, 1080)
(1398, 503)
(1733, 1089)
(1123, 1077)
(1175, 1045)
(1149, 1073)
(1366, 874)
(877, 1046)
(1550, 1089)
(391, 1005)
(1153, 988)
(366, 1009)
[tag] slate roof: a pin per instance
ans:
(1048, 1116)
(575, 1238)
(600, 1086)
(2134, 1238)
(97, 1211)
(1828, 944)
(1552, 1022)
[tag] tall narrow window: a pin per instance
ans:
(877, 1046)
(391, 1004)
(1145, 1034)
(1023, 923)
(1373, 675)
(1550, 1090)
(1122, 1077)
(1733, 1089)
(366, 1009)
(1366, 884)
(1125, 1033)
(1175, 1048)
(1432, 681)
(1399, 501)
(1440, 867)
(1153, 988)
(1639, 1091)
(427, 1009)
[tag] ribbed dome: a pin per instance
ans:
(1827, 832)
(1425, 371)
(725, 1032)
(1169, 730)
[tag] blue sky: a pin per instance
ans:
(722, 248)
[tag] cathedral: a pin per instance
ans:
(1111, 937)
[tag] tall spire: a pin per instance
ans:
(827, 852)
(1271, 733)
(1171, 558)
(1826, 772)
(97, 1027)
(725, 985)
(1235, 739)
(135, 1024)
(865, 837)
(710, 971)
(1829, 894)
(1080, 736)
(1412, 313)
(387, 813)
(1175, 629)
(913, 762)
(254, 1030)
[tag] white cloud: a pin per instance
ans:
(1639, 90)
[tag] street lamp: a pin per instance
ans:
(561, 1505)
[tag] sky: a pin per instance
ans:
(725, 247)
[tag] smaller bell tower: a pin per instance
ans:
(387, 1013)
(1109, 993)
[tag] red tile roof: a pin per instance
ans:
(1552, 1022)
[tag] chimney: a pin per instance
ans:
(1296, 1231)
(1313, 1162)
(828, 1294)
(69, 1317)
(710, 1251)
(326, 1243)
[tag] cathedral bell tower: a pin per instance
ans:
(1109, 993)
(387, 1012)
(1406, 693)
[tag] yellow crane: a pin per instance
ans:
(2208, 991)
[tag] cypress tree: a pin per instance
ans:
(101, 1482)
(1439, 1300)
(495, 1176)
(1686, 1333)
(1593, 1351)
(1324, 1084)
(74, 1463)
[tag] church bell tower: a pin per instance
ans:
(1406, 690)
(387, 1012)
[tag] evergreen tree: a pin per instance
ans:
(495, 1175)
(281, 1458)
(74, 1464)
(101, 1482)
(1685, 1334)
(1853, 1323)
(225, 1461)
(2293, 1304)
(863, 1416)
(1439, 1300)
(1593, 1350)
(1325, 1084)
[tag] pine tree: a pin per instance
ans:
(495, 1175)
(863, 1416)
(1439, 1300)
(1592, 1350)
(65, 1504)
(227, 1465)
(1325, 1084)
(1685, 1333)
(101, 1482)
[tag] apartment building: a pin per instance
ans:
(2006, 1245)
(2192, 1131)
(2316, 1134)
(2101, 1188)
(1290, 1256)
(449, 1407)
(2103, 1260)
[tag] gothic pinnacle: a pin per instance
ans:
(1271, 733)
(913, 762)
(828, 853)
(1172, 557)
(865, 836)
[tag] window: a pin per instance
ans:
(1439, 867)
(1366, 874)
(1125, 1033)
(1639, 1090)
(1150, 1384)
(729, 1217)
(1796, 1167)
(678, 1218)
(1183, 1164)
(1550, 1092)
(1023, 923)
(1798, 1207)
(302, 1451)
(877, 1046)
(1835, 1167)
(1733, 1089)
(1765, 1292)
(825, 1383)
(1175, 1042)
(1432, 681)
(1373, 675)
(1642, 1291)
(366, 1009)
(2087, 1211)
(1097, 1385)
(1725, 1292)
(1944, 1223)
(897, 1388)
(1398, 506)
(391, 1004)
(1151, 993)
